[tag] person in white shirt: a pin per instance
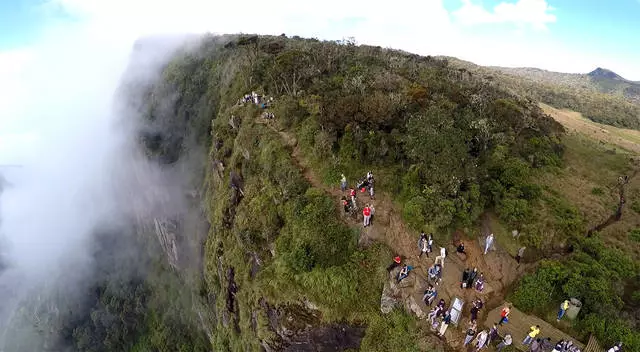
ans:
(615, 348)
(488, 243)
(506, 342)
(440, 258)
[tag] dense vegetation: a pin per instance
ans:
(447, 146)
(604, 279)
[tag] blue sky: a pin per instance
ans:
(19, 23)
(583, 33)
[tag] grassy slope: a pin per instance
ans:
(595, 156)
(563, 90)
(600, 80)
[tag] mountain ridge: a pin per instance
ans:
(600, 79)
(600, 95)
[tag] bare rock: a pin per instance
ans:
(414, 307)
(408, 281)
(389, 298)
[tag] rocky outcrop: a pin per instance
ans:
(232, 305)
(299, 328)
(166, 231)
(413, 306)
(390, 297)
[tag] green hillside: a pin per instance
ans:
(284, 268)
(446, 148)
(600, 95)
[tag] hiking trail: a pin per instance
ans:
(499, 268)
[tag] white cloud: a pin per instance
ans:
(536, 13)
(421, 26)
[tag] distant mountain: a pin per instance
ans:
(600, 95)
(608, 81)
(604, 74)
(600, 79)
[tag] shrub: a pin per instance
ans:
(413, 212)
(394, 332)
(541, 289)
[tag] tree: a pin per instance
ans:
(289, 70)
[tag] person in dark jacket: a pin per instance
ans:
(472, 277)
(345, 204)
(465, 278)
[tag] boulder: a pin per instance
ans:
(389, 298)
(408, 281)
(414, 307)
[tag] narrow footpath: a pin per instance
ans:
(499, 268)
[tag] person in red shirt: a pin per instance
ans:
(504, 315)
(396, 263)
(366, 211)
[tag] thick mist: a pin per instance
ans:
(73, 132)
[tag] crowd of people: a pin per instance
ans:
(350, 204)
(440, 316)
(471, 278)
(257, 99)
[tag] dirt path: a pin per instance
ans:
(387, 225)
(499, 268)
(519, 324)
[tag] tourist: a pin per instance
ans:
(488, 243)
(534, 331)
(471, 332)
(366, 213)
(504, 315)
(520, 254)
(404, 272)
(507, 341)
(563, 309)
(446, 320)
(472, 277)
(480, 283)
